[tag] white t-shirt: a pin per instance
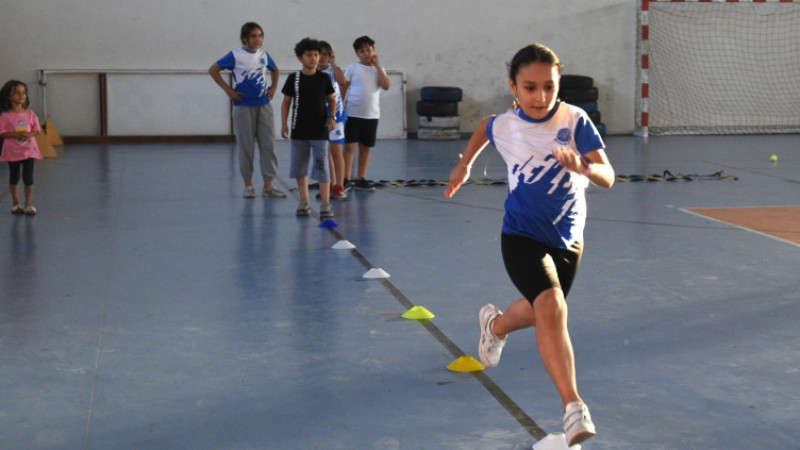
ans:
(364, 92)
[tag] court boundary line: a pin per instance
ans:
(494, 390)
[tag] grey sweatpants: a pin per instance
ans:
(253, 124)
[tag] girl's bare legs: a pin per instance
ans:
(28, 196)
(549, 315)
(12, 188)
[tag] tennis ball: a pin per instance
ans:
(774, 158)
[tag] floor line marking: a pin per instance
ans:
(87, 434)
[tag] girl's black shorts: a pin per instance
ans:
(534, 268)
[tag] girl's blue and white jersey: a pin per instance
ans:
(337, 93)
(250, 74)
(546, 202)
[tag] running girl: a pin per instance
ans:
(552, 151)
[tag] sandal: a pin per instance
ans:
(16, 209)
(30, 210)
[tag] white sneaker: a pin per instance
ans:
(578, 423)
(490, 346)
(249, 192)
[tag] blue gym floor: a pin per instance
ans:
(149, 306)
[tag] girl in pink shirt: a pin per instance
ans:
(19, 127)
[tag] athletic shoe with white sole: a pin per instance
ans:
(338, 192)
(490, 346)
(303, 208)
(578, 424)
(249, 192)
(273, 192)
(325, 211)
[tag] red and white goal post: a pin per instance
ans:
(718, 67)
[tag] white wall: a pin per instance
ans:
(174, 103)
(464, 43)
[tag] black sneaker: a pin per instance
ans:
(363, 185)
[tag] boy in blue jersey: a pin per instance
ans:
(252, 112)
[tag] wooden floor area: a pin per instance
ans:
(782, 222)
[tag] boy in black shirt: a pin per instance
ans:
(305, 94)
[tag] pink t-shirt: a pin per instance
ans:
(16, 150)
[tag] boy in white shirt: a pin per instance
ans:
(362, 82)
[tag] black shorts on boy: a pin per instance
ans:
(362, 131)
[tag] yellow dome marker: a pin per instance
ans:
(466, 363)
(418, 313)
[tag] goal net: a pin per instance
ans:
(714, 67)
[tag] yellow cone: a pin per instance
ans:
(45, 147)
(466, 363)
(52, 134)
(418, 313)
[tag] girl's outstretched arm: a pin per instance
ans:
(477, 143)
